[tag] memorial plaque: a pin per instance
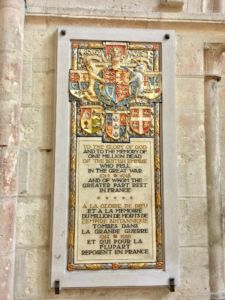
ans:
(114, 212)
(115, 202)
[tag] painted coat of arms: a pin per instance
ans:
(116, 125)
(91, 119)
(115, 85)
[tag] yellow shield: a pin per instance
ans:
(91, 119)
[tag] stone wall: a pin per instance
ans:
(115, 8)
(221, 94)
(35, 172)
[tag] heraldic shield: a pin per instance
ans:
(91, 119)
(116, 84)
(140, 119)
(116, 126)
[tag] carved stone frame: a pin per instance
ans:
(113, 278)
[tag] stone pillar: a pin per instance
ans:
(206, 6)
(219, 6)
(11, 57)
(213, 54)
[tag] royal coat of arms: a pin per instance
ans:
(115, 85)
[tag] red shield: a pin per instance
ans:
(116, 84)
(140, 119)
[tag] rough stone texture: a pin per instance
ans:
(40, 173)
(194, 265)
(222, 186)
(7, 230)
(190, 152)
(11, 44)
(43, 88)
(32, 272)
(33, 214)
(24, 164)
(33, 227)
(8, 166)
(221, 93)
(7, 277)
(37, 127)
(189, 94)
(216, 251)
(192, 212)
(190, 132)
(222, 137)
(189, 58)
(118, 8)
(191, 177)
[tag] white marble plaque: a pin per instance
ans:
(115, 213)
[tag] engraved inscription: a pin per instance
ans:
(115, 218)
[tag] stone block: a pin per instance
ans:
(52, 64)
(27, 95)
(24, 163)
(43, 89)
(27, 73)
(8, 225)
(207, 6)
(190, 94)
(30, 127)
(100, 8)
(38, 43)
(193, 228)
(190, 55)
(194, 271)
(8, 171)
(222, 174)
(31, 273)
(40, 182)
(5, 124)
(221, 97)
(46, 128)
(190, 133)
(194, 6)
(223, 217)
(191, 175)
(33, 222)
(40, 65)
(37, 127)
(9, 123)
(6, 276)
(35, 23)
(222, 136)
(11, 75)
(171, 5)
(13, 14)
(191, 153)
